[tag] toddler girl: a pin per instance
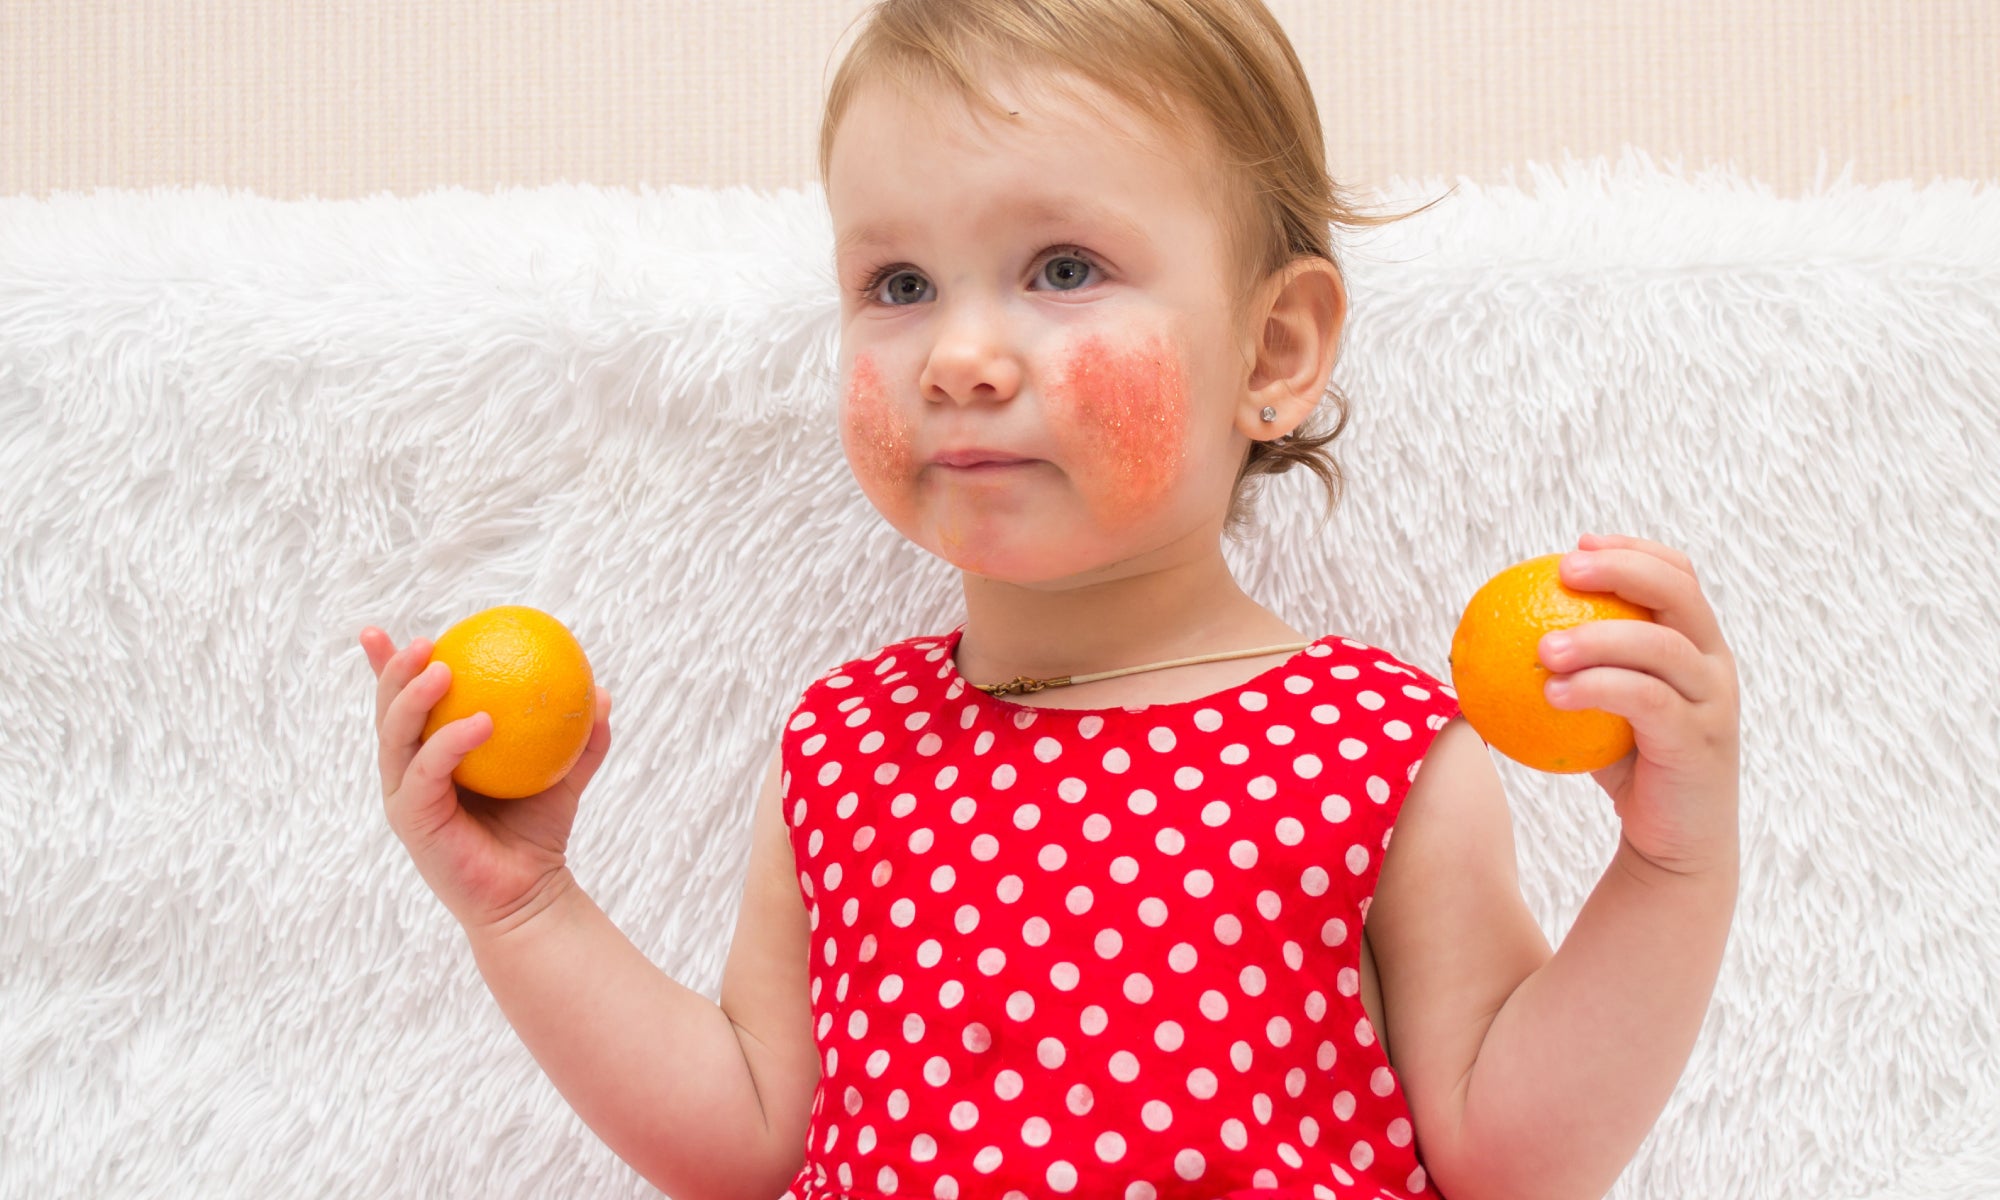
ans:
(1094, 894)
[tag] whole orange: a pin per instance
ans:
(525, 670)
(1497, 672)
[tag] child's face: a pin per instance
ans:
(1055, 290)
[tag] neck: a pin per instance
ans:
(1139, 612)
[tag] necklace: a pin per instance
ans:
(1022, 684)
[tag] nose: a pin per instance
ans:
(973, 358)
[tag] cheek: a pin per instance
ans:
(877, 440)
(1126, 408)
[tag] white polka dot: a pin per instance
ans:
(937, 1072)
(1009, 889)
(985, 847)
(913, 1028)
(1124, 1066)
(1093, 1020)
(1314, 881)
(1169, 841)
(1027, 817)
(1096, 827)
(1234, 1134)
(1361, 1155)
(1182, 957)
(1160, 738)
(1138, 988)
(963, 808)
(1263, 787)
(877, 1063)
(1214, 813)
(1357, 859)
(1364, 1032)
(951, 993)
(1348, 981)
(1239, 1055)
(1269, 905)
(1378, 789)
(1335, 809)
(1141, 1191)
(1052, 857)
(1061, 1176)
(1290, 1154)
(1142, 801)
(1020, 1006)
(1243, 854)
(1382, 1082)
(964, 1115)
(1315, 1005)
(1035, 931)
(1290, 831)
(1110, 1146)
(1260, 1107)
(978, 1038)
(1208, 720)
(1251, 979)
(1398, 730)
(1235, 754)
(992, 960)
(1072, 789)
(892, 987)
(1279, 1031)
(1079, 1099)
(1169, 1036)
(923, 1148)
(1124, 869)
(1187, 779)
(1156, 1115)
(1307, 766)
(1008, 1084)
(1308, 1131)
(987, 1160)
(946, 1188)
(902, 912)
(1253, 701)
(1199, 883)
(1050, 1053)
(1153, 911)
(1065, 976)
(1398, 1132)
(1352, 748)
(1343, 1105)
(832, 876)
(1214, 1005)
(1228, 929)
(1279, 734)
(1117, 761)
(1189, 1164)
(1108, 943)
(1327, 1055)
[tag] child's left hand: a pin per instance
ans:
(1673, 678)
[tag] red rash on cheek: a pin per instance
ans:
(878, 443)
(1124, 412)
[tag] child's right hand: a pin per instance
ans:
(493, 863)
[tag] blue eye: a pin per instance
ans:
(870, 291)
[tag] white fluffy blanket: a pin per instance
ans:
(233, 431)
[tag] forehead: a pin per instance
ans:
(1066, 151)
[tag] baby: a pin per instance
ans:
(1095, 893)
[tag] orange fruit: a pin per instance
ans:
(1498, 675)
(522, 668)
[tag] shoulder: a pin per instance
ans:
(838, 689)
(1373, 668)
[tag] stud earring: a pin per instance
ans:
(1269, 413)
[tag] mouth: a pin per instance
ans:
(989, 467)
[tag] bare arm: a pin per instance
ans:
(1531, 1074)
(701, 1104)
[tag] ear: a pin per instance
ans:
(1293, 348)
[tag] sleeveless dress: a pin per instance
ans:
(1101, 952)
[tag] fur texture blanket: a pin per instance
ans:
(233, 431)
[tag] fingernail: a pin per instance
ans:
(1555, 644)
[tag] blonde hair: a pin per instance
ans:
(1218, 72)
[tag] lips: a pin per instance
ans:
(975, 457)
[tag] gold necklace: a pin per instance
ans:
(1022, 684)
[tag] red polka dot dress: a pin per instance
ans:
(1101, 952)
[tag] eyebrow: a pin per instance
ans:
(1037, 212)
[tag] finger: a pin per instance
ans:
(397, 671)
(1662, 723)
(1601, 541)
(402, 729)
(427, 797)
(1643, 646)
(580, 775)
(1672, 594)
(377, 646)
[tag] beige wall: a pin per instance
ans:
(340, 98)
